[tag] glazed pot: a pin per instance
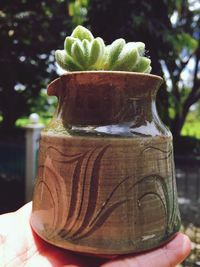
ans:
(106, 179)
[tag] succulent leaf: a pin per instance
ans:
(68, 44)
(77, 53)
(82, 33)
(99, 64)
(127, 59)
(60, 56)
(86, 48)
(97, 51)
(148, 70)
(105, 65)
(142, 65)
(140, 47)
(66, 62)
(114, 50)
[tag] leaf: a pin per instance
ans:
(104, 64)
(66, 62)
(60, 56)
(101, 58)
(127, 58)
(142, 65)
(189, 42)
(68, 44)
(86, 48)
(82, 33)
(184, 40)
(96, 51)
(148, 70)
(71, 9)
(77, 53)
(140, 47)
(114, 51)
(84, 2)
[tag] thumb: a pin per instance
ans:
(168, 255)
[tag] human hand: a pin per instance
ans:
(21, 247)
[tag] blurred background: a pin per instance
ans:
(31, 31)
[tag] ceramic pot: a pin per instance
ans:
(106, 180)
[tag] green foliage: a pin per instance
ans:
(23, 121)
(84, 52)
(185, 41)
(170, 30)
(29, 32)
(192, 124)
(114, 50)
(43, 105)
(78, 11)
(191, 128)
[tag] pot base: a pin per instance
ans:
(101, 253)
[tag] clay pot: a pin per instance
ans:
(106, 180)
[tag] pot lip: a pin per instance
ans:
(128, 73)
(52, 91)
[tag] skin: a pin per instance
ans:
(21, 247)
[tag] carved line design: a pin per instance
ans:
(167, 152)
(49, 190)
(61, 153)
(94, 178)
(58, 189)
(171, 203)
(93, 193)
(104, 212)
(93, 218)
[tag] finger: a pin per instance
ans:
(167, 256)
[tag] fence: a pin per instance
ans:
(188, 184)
(14, 153)
(188, 178)
(12, 173)
(33, 130)
(18, 164)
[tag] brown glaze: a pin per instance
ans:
(100, 98)
(106, 181)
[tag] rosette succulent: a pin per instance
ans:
(84, 52)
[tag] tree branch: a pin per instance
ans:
(174, 80)
(194, 95)
(183, 64)
(197, 96)
(197, 54)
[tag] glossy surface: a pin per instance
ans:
(106, 181)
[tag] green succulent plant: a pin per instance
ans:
(84, 52)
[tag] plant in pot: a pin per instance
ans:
(106, 180)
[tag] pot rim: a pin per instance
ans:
(51, 86)
(131, 73)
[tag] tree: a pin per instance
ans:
(30, 31)
(168, 44)
(184, 70)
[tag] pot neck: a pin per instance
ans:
(103, 98)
